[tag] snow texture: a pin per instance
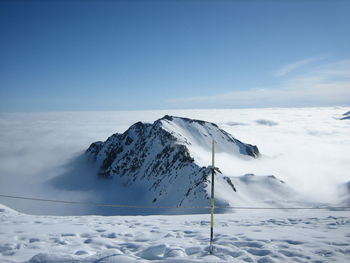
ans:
(245, 236)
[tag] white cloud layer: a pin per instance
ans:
(307, 147)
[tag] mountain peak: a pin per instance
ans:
(164, 158)
(188, 120)
(199, 134)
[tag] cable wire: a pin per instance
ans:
(175, 207)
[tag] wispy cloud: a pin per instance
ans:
(288, 68)
(321, 85)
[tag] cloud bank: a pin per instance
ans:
(308, 149)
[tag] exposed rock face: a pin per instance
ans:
(161, 158)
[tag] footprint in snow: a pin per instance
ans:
(174, 253)
(153, 252)
(110, 235)
(284, 246)
(289, 253)
(293, 242)
(81, 252)
(266, 260)
(130, 246)
(88, 241)
(324, 253)
(32, 240)
(68, 235)
(7, 249)
(259, 252)
(193, 250)
(247, 259)
(87, 235)
(59, 241)
(100, 230)
(337, 243)
(169, 235)
(251, 244)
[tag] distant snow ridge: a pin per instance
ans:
(163, 159)
(347, 116)
(266, 122)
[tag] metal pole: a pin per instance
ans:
(212, 199)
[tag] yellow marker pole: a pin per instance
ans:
(212, 199)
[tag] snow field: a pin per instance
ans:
(243, 236)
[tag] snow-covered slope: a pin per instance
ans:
(264, 191)
(245, 236)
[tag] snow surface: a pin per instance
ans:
(245, 236)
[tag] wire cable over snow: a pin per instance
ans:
(175, 207)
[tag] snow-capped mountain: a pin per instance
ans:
(346, 116)
(164, 163)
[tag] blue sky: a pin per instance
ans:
(136, 55)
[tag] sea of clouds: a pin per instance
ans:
(308, 148)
